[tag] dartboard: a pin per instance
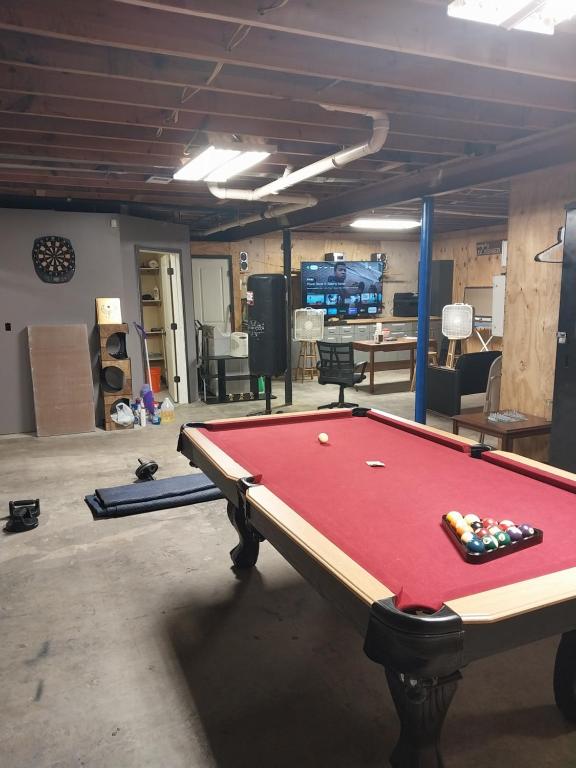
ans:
(54, 259)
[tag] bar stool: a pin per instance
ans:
(307, 360)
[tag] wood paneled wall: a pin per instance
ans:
(470, 270)
(265, 255)
(533, 294)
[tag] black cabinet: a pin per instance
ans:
(563, 433)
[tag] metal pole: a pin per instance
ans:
(424, 308)
(287, 251)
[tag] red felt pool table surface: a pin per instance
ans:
(388, 519)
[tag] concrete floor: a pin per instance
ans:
(130, 643)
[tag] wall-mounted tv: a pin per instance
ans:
(343, 288)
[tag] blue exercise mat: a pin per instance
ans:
(137, 498)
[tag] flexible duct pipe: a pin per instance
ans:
(380, 129)
(269, 213)
(223, 193)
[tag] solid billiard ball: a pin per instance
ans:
(461, 527)
(466, 537)
(515, 533)
(453, 516)
(527, 530)
(505, 524)
(488, 522)
(476, 526)
(475, 546)
(481, 532)
(322, 437)
(472, 519)
(503, 539)
(490, 543)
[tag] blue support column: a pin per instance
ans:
(424, 308)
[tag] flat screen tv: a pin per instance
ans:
(343, 288)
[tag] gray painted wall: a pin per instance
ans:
(105, 266)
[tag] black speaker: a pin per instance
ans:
(266, 300)
(243, 261)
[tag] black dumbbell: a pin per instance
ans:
(146, 469)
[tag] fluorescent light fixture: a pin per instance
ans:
(386, 224)
(218, 164)
(529, 15)
(236, 165)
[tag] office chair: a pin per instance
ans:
(336, 366)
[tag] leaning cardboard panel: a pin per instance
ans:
(62, 379)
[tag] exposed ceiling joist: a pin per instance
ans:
(117, 25)
(401, 26)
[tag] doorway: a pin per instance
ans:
(162, 313)
(212, 288)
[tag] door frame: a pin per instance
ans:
(160, 250)
(230, 281)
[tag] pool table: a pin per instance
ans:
(370, 540)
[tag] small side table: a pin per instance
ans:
(506, 431)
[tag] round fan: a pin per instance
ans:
(54, 259)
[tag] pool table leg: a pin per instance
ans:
(565, 676)
(422, 706)
(245, 553)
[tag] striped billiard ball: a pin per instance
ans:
(466, 537)
(470, 519)
(505, 524)
(490, 543)
(494, 530)
(488, 522)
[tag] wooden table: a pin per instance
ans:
(507, 431)
(393, 345)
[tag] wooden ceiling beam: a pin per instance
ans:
(302, 151)
(168, 152)
(121, 91)
(67, 56)
(49, 106)
(402, 26)
(108, 23)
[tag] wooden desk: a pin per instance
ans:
(394, 345)
(506, 431)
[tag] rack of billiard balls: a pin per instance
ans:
(480, 540)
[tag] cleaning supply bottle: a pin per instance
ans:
(167, 411)
(148, 396)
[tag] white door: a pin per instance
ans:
(173, 307)
(211, 287)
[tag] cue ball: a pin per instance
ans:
(322, 437)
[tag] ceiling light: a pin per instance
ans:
(218, 164)
(386, 224)
(528, 15)
(236, 165)
(205, 163)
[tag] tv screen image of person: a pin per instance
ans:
(343, 288)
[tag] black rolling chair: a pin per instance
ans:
(336, 366)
